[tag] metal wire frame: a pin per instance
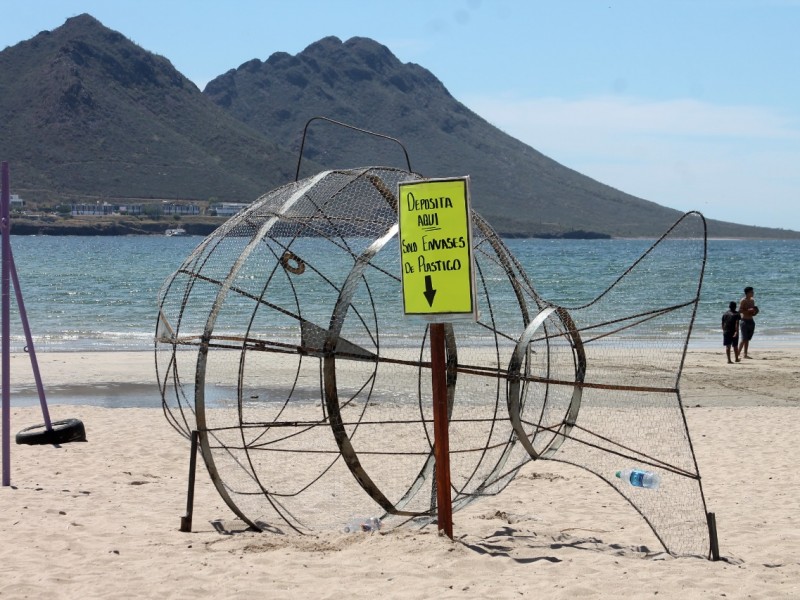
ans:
(328, 347)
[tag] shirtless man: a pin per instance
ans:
(748, 310)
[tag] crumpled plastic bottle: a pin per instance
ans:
(363, 524)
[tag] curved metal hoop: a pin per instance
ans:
(345, 125)
(514, 382)
(205, 341)
(346, 449)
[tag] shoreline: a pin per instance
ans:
(128, 379)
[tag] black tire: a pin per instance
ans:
(68, 430)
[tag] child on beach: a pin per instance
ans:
(730, 331)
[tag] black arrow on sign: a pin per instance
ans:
(429, 291)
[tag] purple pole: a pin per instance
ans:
(23, 315)
(5, 230)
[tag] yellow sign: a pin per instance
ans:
(436, 248)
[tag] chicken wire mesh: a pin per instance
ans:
(273, 342)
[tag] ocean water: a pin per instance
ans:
(100, 293)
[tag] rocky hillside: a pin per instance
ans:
(88, 113)
(519, 190)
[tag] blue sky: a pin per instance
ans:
(693, 104)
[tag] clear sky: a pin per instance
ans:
(693, 104)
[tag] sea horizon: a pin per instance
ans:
(99, 294)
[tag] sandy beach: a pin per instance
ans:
(101, 519)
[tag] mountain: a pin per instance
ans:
(88, 113)
(360, 82)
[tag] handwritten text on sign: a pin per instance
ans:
(436, 248)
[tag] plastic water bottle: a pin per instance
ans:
(365, 524)
(640, 478)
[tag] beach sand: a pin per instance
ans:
(101, 519)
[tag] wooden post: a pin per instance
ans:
(441, 446)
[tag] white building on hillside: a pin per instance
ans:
(175, 208)
(228, 209)
(98, 210)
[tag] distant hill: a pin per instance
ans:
(519, 190)
(86, 114)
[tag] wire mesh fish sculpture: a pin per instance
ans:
(273, 342)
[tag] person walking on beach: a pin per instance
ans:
(747, 325)
(730, 331)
